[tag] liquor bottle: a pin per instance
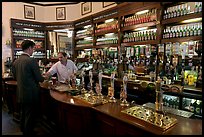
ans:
(185, 9)
(173, 31)
(182, 9)
(187, 31)
(181, 31)
(178, 11)
(199, 29)
(195, 29)
(191, 49)
(196, 9)
(165, 12)
(191, 30)
(200, 7)
(155, 34)
(184, 31)
(164, 34)
(188, 9)
(177, 31)
(137, 51)
(175, 11)
(169, 12)
(172, 12)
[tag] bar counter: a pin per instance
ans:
(73, 116)
(107, 119)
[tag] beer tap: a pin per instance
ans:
(159, 98)
(91, 82)
(83, 90)
(100, 84)
(124, 91)
(111, 89)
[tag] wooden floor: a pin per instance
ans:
(11, 127)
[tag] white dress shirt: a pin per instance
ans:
(63, 72)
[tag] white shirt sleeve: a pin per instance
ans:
(53, 69)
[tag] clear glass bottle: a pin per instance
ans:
(178, 13)
(185, 9)
(181, 31)
(184, 30)
(182, 9)
(196, 7)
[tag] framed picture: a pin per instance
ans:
(86, 7)
(106, 4)
(29, 12)
(64, 43)
(60, 13)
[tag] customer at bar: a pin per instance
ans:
(64, 68)
(27, 73)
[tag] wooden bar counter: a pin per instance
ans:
(73, 116)
(80, 118)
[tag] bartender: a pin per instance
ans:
(65, 69)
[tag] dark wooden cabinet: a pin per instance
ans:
(21, 30)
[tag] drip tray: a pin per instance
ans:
(169, 110)
(92, 99)
(160, 121)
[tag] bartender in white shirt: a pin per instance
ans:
(65, 68)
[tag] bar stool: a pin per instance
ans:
(13, 106)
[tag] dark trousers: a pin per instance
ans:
(29, 116)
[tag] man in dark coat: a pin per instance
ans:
(27, 73)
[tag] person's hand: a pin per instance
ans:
(46, 76)
(73, 76)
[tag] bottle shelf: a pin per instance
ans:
(106, 31)
(182, 39)
(23, 37)
(148, 24)
(84, 47)
(140, 43)
(181, 18)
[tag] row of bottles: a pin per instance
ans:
(188, 104)
(189, 48)
(38, 44)
(171, 101)
(25, 33)
(192, 105)
(140, 59)
(186, 69)
(83, 33)
(182, 9)
(105, 40)
(144, 35)
(113, 24)
(149, 16)
(87, 41)
(140, 50)
(187, 30)
(36, 54)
